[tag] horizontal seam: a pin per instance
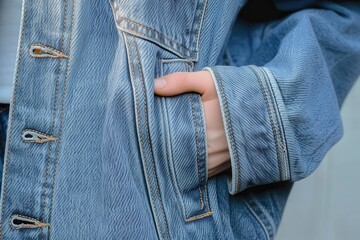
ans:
(143, 26)
(200, 216)
(135, 33)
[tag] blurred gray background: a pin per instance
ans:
(326, 205)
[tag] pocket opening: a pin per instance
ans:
(185, 123)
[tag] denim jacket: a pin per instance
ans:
(92, 153)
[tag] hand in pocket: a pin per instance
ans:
(201, 82)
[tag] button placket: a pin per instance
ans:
(27, 107)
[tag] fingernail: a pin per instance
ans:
(159, 83)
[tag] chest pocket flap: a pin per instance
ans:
(174, 25)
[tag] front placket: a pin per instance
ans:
(36, 119)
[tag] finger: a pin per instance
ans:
(181, 82)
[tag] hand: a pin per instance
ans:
(202, 83)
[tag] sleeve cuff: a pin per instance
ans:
(254, 119)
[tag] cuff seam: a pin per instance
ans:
(228, 130)
(274, 115)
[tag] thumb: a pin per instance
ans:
(181, 82)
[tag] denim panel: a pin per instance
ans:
(267, 203)
(91, 185)
(252, 214)
(102, 168)
(100, 190)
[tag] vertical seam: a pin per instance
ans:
(258, 219)
(280, 141)
(197, 146)
(62, 113)
(198, 34)
(148, 141)
(264, 216)
(197, 151)
(228, 121)
(54, 114)
(281, 121)
(273, 121)
(12, 114)
(138, 123)
(179, 196)
(270, 117)
(169, 143)
(206, 156)
(276, 119)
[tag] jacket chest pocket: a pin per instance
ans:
(171, 130)
(184, 120)
(171, 133)
(174, 25)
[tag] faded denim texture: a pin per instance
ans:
(92, 153)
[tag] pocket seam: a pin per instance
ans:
(188, 51)
(262, 224)
(137, 29)
(197, 146)
(201, 187)
(141, 140)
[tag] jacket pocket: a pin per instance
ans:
(171, 133)
(171, 130)
(173, 25)
(184, 120)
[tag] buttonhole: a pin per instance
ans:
(18, 221)
(43, 51)
(37, 51)
(28, 135)
(31, 135)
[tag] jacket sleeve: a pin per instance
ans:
(282, 116)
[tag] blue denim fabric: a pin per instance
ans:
(92, 153)
(284, 116)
